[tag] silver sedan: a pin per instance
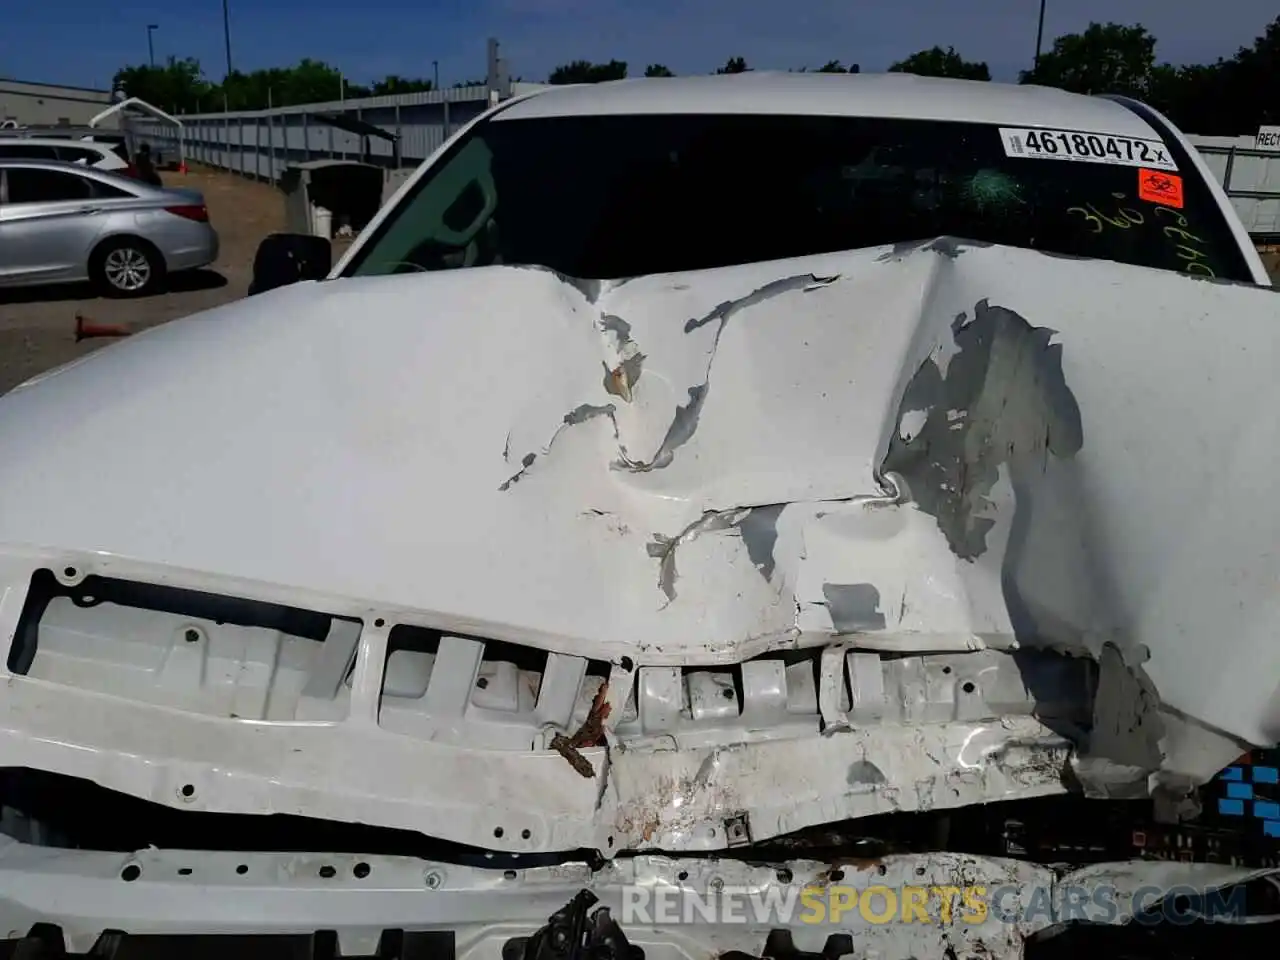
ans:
(62, 223)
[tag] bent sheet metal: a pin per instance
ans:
(1010, 506)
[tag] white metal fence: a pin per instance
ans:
(261, 143)
(1251, 178)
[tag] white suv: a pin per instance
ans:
(91, 153)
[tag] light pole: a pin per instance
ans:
(1039, 42)
(226, 33)
(151, 47)
(435, 68)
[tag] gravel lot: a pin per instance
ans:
(37, 326)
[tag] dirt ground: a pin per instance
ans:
(37, 326)
(1271, 257)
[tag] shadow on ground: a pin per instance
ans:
(189, 281)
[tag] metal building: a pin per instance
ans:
(41, 104)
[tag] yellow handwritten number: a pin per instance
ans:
(1126, 216)
(1089, 217)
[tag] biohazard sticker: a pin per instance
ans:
(1156, 186)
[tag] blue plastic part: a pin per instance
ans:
(1231, 808)
(1266, 774)
(1271, 828)
(1266, 810)
(1240, 791)
(1231, 773)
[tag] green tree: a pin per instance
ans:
(1226, 98)
(835, 66)
(1253, 75)
(392, 85)
(177, 86)
(1106, 58)
(936, 62)
(658, 70)
(734, 65)
(584, 71)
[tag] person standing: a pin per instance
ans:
(145, 167)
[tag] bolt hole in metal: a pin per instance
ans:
(946, 669)
(497, 832)
(328, 872)
(525, 834)
(627, 664)
(508, 874)
(968, 686)
(242, 869)
(482, 682)
(682, 876)
(69, 573)
(188, 790)
(127, 268)
(131, 873)
(379, 622)
(191, 636)
(184, 871)
(361, 870)
(728, 693)
(836, 876)
(784, 876)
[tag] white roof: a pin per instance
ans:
(93, 145)
(838, 95)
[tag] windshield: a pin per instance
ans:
(620, 196)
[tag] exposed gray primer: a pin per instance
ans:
(854, 607)
(591, 289)
(663, 548)
(610, 323)
(685, 422)
(525, 463)
(759, 529)
(950, 247)
(579, 414)
(864, 773)
(1004, 400)
(681, 430)
(1124, 740)
(771, 289)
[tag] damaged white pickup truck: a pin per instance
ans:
(818, 497)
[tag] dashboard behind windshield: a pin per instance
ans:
(620, 196)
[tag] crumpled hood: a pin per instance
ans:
(939, 446)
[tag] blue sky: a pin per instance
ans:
(83, 42)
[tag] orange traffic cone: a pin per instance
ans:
(88, 330)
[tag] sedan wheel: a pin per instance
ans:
(128, 269)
